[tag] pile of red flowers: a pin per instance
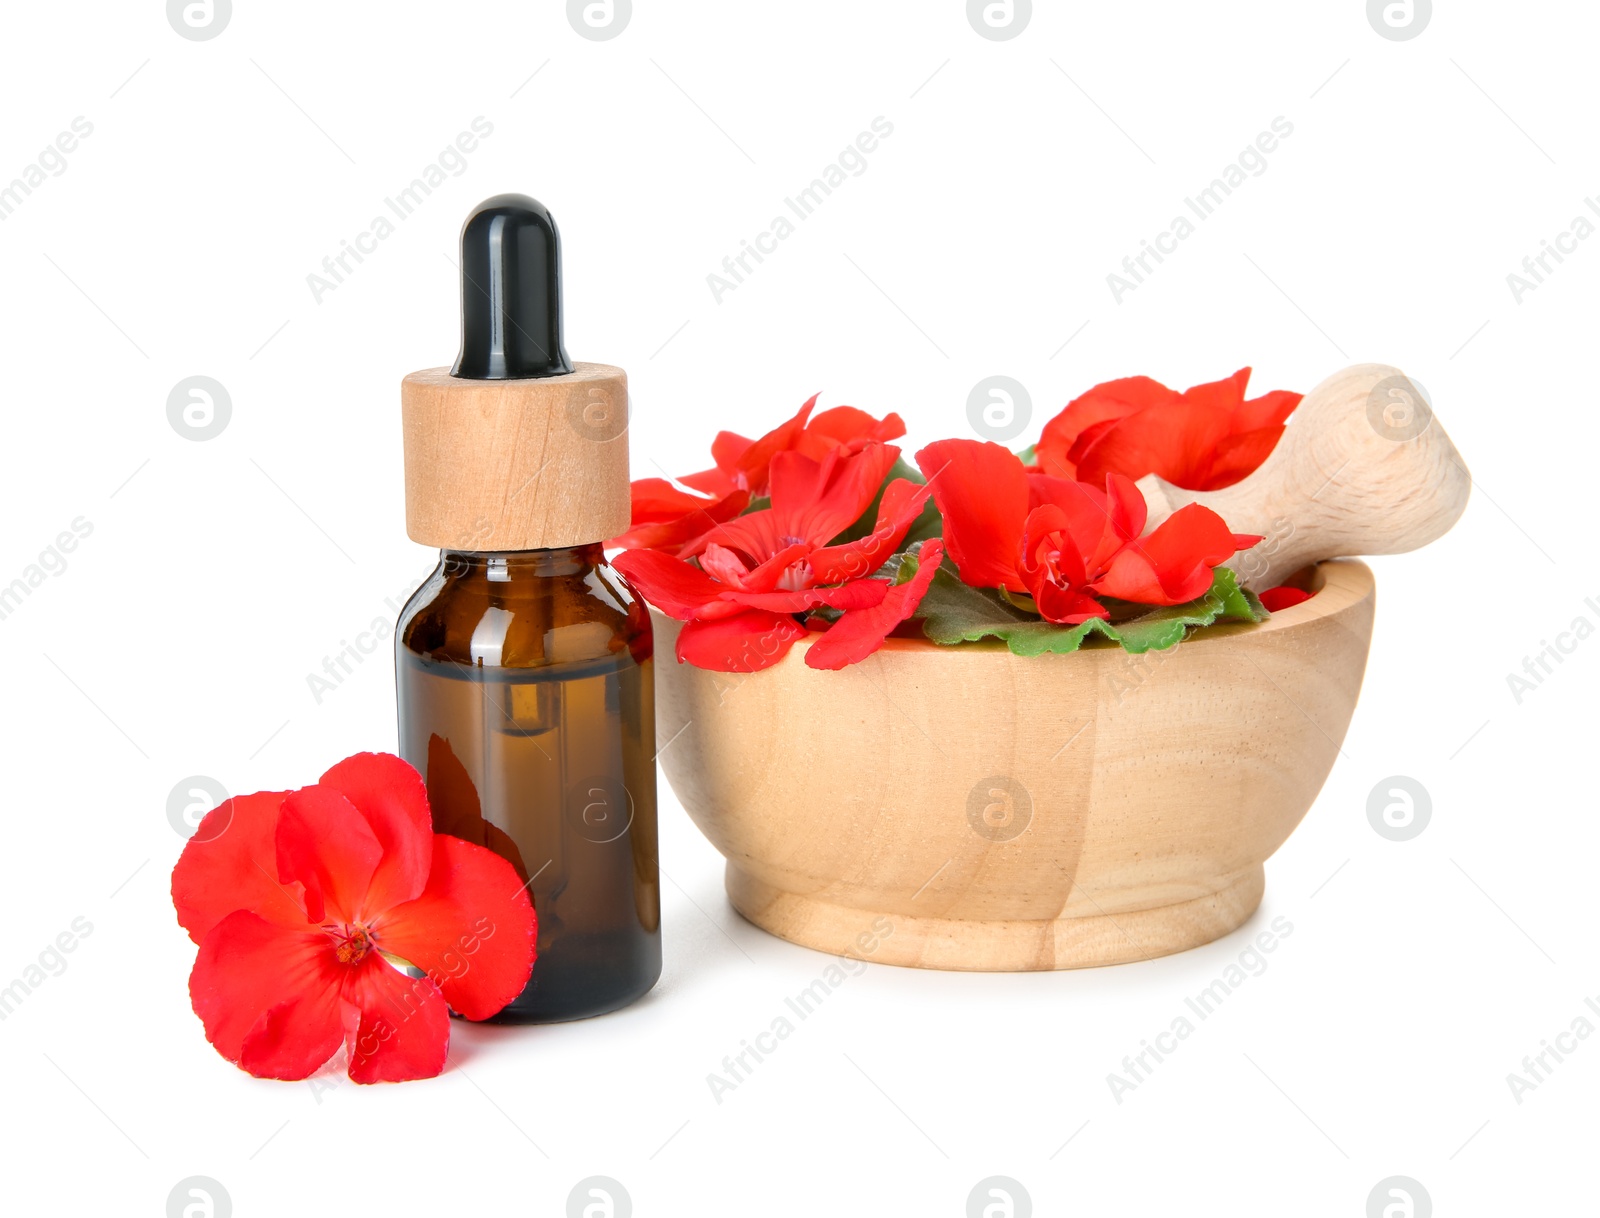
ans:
(819, 526)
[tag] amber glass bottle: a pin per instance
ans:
(523, 664)
(526, 700)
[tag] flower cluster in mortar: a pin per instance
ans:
(820, 527)
(305, 902)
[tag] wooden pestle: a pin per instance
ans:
(1363, 467)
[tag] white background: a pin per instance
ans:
(219, 574)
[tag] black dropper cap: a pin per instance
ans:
(510, 292)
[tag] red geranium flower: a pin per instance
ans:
(1283, 597)
(1202, 439)
(758, 571)
(861, 632)
(666, 518)
(1065, 542)
(299, 900)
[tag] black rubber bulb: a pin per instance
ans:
(510, 292)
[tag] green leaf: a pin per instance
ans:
(1028, 456)
(953, 613)
(901, 567)
(1236, 602)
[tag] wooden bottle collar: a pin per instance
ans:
(530, 464)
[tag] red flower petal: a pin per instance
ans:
(668, 583)
(715, 481)
(849, 427)
(1069, 606)
(728, 446)
(1103, 404)
(858, 594)
(860, 632)
(816, 501)
(1173, 564)
(901, 504)
(759, 536)
(327, 845)
(770, 573)
(1226, 395)
(397, 1027)
(754, 464)
(723, 565)
(1098, 526)
(1047, 541)
(655, 500)
(1240, 454)
(231, 863)
(472, 931)
(1283, 597)
(668, 519)
(268, 996)
(1126, 505)
(982, 492)
(293, 1039)
(749, 642)
(1174, 440)
(1205, 438)
(726, 450)
(392, 796)
(1269, 410)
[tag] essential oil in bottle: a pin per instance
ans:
(523, 664)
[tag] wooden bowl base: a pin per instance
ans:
(996, 946)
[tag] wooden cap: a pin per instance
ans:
(531, 464)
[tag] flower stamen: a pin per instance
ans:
(352, 945)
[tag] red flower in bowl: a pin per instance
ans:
(1202, 439)
(1066, 543)
(673, 520)
(757, 572)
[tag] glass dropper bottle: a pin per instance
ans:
(523, 663)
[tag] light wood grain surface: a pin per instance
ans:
(516, 465)
(1003, 813)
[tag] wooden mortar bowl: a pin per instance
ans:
(965, 808)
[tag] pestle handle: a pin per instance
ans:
(1363, 467)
